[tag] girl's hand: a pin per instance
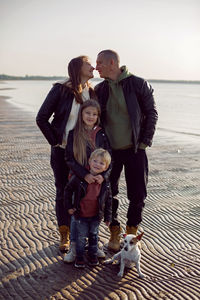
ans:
(89, 178)
(99, 179)
(71, 211)
(107, 223)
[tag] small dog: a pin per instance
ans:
(129, 254)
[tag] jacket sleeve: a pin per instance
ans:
(108, 206)
(46, 111)
(72, 163)
(149, 111)
(104, 143)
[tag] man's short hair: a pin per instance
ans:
(110, 54)
(104, 154)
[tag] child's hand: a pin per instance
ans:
(107, 223)
(71, 211)
(99, 179)
(89, 178)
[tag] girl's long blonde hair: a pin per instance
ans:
(81, 139)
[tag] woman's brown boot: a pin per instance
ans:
(64, 238)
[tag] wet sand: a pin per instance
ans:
(31, 266)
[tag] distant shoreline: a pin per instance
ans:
(37, 77)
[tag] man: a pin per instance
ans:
(129, 117)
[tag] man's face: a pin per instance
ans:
(103, 66)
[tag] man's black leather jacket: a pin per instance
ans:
(141, 107)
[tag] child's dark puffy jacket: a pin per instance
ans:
(76, 189)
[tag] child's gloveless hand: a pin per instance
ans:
(99, 179)
(71, 211)
(107, 223)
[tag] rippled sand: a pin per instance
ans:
(31, 266)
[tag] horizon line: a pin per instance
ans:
(34, 77)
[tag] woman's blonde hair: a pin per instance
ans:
(81, 139)
(74, 81)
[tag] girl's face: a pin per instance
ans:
(90, 116)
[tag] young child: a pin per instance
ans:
(86, 136)
(89, 204)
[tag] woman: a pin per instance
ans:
(63, 102)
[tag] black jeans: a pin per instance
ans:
(61, 172)
(136, 176)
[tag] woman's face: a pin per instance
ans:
(90, 116)
(87, 70)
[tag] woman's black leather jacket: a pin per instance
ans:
(59, 104)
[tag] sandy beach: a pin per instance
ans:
(31, 267)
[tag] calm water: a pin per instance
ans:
(178, 104)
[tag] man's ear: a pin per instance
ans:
(124, 235)
(139, 237)
(112, 62)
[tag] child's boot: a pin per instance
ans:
(71, 254)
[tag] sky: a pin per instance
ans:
(155, 39)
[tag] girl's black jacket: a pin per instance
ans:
(79, 170)
(76, 189)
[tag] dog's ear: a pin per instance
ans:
(139, 237)
(124, 235)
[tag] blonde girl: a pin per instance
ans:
(85, 138)
(82, 141)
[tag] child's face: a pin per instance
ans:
(90, 116)
(97, 165)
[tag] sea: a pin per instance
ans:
(178, 105)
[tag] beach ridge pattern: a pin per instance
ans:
(31, 265)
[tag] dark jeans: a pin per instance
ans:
(87, 228)
(61, 172)
(136, 176)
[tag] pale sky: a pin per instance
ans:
(156, 39)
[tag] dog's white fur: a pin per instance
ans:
(129, 254)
